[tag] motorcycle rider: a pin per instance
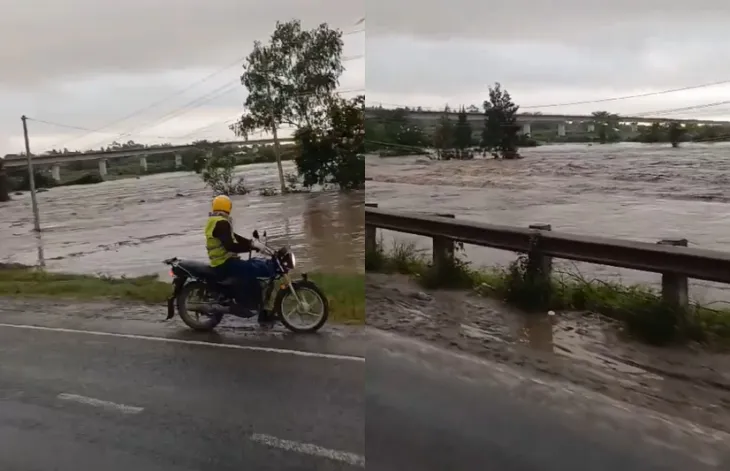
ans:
(224, 245)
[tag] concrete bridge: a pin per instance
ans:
(430, 118)
(55, 161)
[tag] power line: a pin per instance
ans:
(163, 100)
(200, 101)
(602, 100)
(213, 94)
(629, 97)
(228, 120)
(191, 105)
(682, 109)
(183, 90)
(80, 128)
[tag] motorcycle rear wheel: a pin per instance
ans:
(199, 322)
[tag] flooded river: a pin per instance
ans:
(632, 191)
(128, 226)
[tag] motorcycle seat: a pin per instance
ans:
(200, 269)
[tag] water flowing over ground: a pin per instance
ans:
(128, 226)
(580, 349)
(632, 191)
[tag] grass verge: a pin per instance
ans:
(346, 292)
(640, 308)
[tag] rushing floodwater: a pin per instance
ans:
(632, 191)
(128, 226)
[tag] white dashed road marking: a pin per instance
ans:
(285, 351)
(90, 401)
(309, 449)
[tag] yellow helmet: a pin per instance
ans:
(222, 203)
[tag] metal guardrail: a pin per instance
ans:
(671, 258)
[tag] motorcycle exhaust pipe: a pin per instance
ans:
(208, 309)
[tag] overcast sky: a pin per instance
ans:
(550, 52)
(88, 63)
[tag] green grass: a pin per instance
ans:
(640, 308)
(346, 292)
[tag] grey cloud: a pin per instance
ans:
(543, 48)
(96, 101)
(46, 39)
(596, 21)
(402, 65)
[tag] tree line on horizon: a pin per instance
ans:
(392, 132)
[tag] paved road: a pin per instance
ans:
(78, 401)
(72, 401)
(432, 410)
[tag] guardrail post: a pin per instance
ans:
(4, 187)
(443, 250)
(371, 241)
(541, 265)
(675, 286)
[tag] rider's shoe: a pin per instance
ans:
(266, 318)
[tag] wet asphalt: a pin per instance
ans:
(79, 401)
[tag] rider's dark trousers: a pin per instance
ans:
(247, 271)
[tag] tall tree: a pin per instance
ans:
(675, 132)
(333, 151)
(443, 136)
(606, 125)
(462, 132)
(290, 81)
(500, 135)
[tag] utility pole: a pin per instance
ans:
(31, 177)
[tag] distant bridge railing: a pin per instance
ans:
(671, 258)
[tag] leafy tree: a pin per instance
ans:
(675, 132)
(606, 125)
(652, 134)
(332, 152)
(500, 136)
(443, 137)
(462, 132)
(219, 174)
(290, 81)
(392, 130)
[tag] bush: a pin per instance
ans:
(219, 176)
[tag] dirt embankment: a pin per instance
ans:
(587, 350)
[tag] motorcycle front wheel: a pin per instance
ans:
(196, 319)
(307, 314)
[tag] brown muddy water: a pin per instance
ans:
(579, 349)
(128, 226)
(631, 191)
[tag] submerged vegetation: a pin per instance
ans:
(639, 308)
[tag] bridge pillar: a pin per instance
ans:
(591, 127)
(143, 163)
(561, 129)
(634, 127)
(56, 173)
(526, 129)
(178, 161)
(102, 167)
